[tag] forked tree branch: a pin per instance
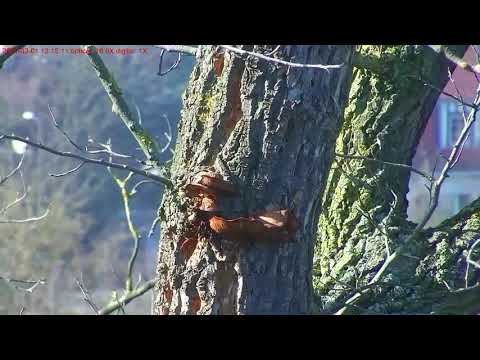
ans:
(436, 185)
(120, 107)
(87, 160)
(443, 50)
(127, 297)
(19, 197)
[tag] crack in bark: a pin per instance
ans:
(247, 111)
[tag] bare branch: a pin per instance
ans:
(185, 49)
(462, 301)
(385, 236)
(131, 292)
(14, 171)
(86, 296)
(435, 193)
(440, 91)
(107, 149)
(69, 171)
(171, 68)
(133, 231)
(274, 50)
(153, 226)
(278, 61)
(469, 256)
(34, 284)
(442, 50)
(99, 162)
(104, 148)
(120, 107)
(27, 282)
(168, 134)
(24, 221)
(65, 134)
(458, 93)
(140, 183)
(139, 280)
(403, 166)
(128, 297)
(122, 304)
(18, 198)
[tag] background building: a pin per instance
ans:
(444, 126)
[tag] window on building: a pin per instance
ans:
(450, 124)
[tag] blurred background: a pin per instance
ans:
(445, 124)
(85, 234)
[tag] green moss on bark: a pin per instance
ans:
(388, 109)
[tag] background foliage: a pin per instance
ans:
(85, 233)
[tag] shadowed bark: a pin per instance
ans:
(270, 132)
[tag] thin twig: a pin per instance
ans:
(69, 171)
(126, 298)
(458, 94)
(185, 49)
(133, 231)
(26, 282)
(353, 179)
(99, 162)
(385, 236)
(137, 185)
(120, 106)
(153, 227)
(65, 134)
(168, 134)
(279, 61)
(24, 221)
(171, 68)
(469, 260)
(34, 284)
(271, 53)
(403, 166)
(442, 50)
(86, 296)
(107, 149)
(436, 187)
(440, 91)
(14, 171)
(122, 304)
(18, 198)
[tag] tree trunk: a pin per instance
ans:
(389, 106)
(269, 131)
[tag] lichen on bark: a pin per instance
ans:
(389, 105)
(273, 129)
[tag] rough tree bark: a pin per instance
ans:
(270, 131)
(389, 106)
